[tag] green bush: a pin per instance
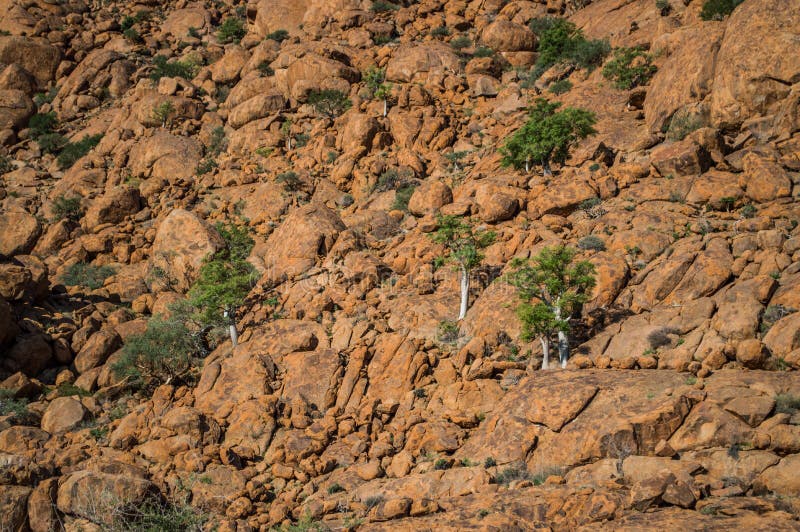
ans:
(42, 98)
(663, 7)
(52, 142)
(11, 406)
(718, 9)
(329, 102)
(156, 515)
(162, 354)
(401, 198)
(265, 70)
(448, 332)
(290, 181)
(381, 6)
(683, 123)
(278, 35)
(88, 275)
(592, 242)
(460, 42)
(335, 488)
(441, 31)
(483, 51)
(512, 473)
(5, 165)
(218, 142)
(162, 68)
(133, 36)
(42, 124)
(629, 68)
(560, 41)
(786, 403)
(441, 464)
(560, 87)
(67, 208)
(205, 166)
(231, 30)
(75, 150)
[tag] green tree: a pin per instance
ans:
(329, 102)
(377, 85)
(552, 287)
(547, 136)
(224, 281)
(629, 68)
(463, 243)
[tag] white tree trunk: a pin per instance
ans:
(527, 164)
(464, 293)
(563, 342)
(545, 352)
(546, 169)
(385, 108)
(232, 328)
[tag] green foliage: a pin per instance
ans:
(67, 208)
(75, 150)
(560, 87)
(68, 390)
(305, 524)
(132, 35)
(561, 42)
(441, 31)
(225, 279)
(88, 275)
(547, 135)
(158, 516)
(290, 181)
(162, 68)
(329, 102)
(786, 403)
(552, 288)
(205, 166)
(218, 142)
(748, 211)
(447, 332)
(335, 488)
(265, 70)
(231, 30)
(381, 6)
(683, 123)
(460, 42)
(512, 473)
(375, 79)
(663, 7)
(163, 112)
(278, 35)
(5, 165)
(52, 142)
(42, 124)
(773, 314)
(372, 502)
(161, 354)
(441, 464)
(629, 68)
(392, 179)
(11, 406)
(718, 9)
(489, 462)
(401, 198)
(461, 240)
(42, 98)
(592, 242)
(483, 51)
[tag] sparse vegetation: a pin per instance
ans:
(11, 406)
(561, 42)
(278, 35)
(441, 464)
(162, 68)
(560, 87)
(73, 151)
(86, 275)
(663, 7)
(335, 488)
(329, 102)
(683, 123)
(163, 112)
(460, 42)
(290, 181)
(265, 70)
(629, 68)
(157, 515)
(205, 166)
(512, 473)
(382, 6)
(592, 242)
(402, 196)
(771, 315)
(718, 9)
(441, 31)
(786, 403)
(67, 208)
(42, 124)
(231, 30)
(447, 332)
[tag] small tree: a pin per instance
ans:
(378, 87)
(224, 281)
(286, 133)
(547, 136)
(329, 102)
(463, 244)
(552, 288)
(163, 112)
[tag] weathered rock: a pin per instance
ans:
(19, 234)
(429, 197)
(96, 350)
(96, 495)
(506, 36)
(63, 414)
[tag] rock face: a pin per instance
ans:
(20, 231)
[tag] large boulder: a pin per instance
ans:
(112, 207)
(290, 19)
(19, 234)
(37, 58)
(506, 36)
(165, 156)
(13, 508)
(259, 106)
(419, 62)
(758, 61)
(15, 109)
(182, 242)
(429, 197)
(63, 414)
(313, 72)
(96, 496)
(306, 234)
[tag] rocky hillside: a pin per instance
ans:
(150, 150)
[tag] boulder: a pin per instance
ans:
(96, 350)
(259, 106)
(764, 180)
(495, 204)
(30, 354)
(429, 197)
(13, 508)
(15, 109)
(19, 234)
(96, 496)
(784, 336)
(37, 58)
(505, 36)
(781, 478)
(682, 158)
(62, 414)
(112, 207)
(182, 242)
(422, 61)
(165, 156)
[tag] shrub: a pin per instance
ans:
(560, 41)
(42, 98)
(483, 51)
(88, 275)
(52, 142)
(329, 102)
(278, 35)
(217, 142)
(441, 31)
(460, 42)
(290, 180)
(381, 6)
(683, 123)
(205, 166)
(592, 242)
(42, 124)
(75, 150)
(663, 7)
(489, 462)
(512, 473)
(5, 165)
(371, 502)
(163, 112)
(748, 211)
(160, 355)
(448, 332)
(162, 68)
(392, 179)
(67, 390)
(560, 87)
(441, 464)
(231, 30)
(132, 35)
(629, 68)
(67, 208)
(718, 9)
(660, 337)
(11, 406)
(265, 70)
(335, 488)
(157, 515)
(787, 403)
(772, 314)
(401, 198)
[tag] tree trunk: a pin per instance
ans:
(232, 328)
(545, 351)
(563, 342)
(464, 293)
(546, 168)
(527, 164)
(385, 108)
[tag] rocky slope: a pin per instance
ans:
(344, 406)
